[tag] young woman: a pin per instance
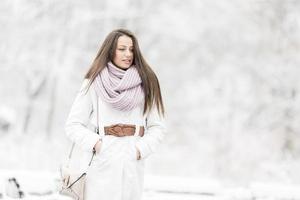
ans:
(126, 92)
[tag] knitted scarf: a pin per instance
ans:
(120, 88)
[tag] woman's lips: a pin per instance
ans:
(127, 61)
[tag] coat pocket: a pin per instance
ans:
(132, 149)
(107, 142)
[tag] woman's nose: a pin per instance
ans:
(128, 53)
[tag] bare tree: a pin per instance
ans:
(35, 84)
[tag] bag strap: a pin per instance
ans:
(97, 131)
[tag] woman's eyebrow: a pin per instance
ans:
(125, 45)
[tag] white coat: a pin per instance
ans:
(115, 172)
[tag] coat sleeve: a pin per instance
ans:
(154, 134)
(76, 125)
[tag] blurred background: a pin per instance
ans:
(229, 74)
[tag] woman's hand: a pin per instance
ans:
(97, 146)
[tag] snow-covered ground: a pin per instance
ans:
(44, 185)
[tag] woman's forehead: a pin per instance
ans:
(125, 41)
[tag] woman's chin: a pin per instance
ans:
(124, 66)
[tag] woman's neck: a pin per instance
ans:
(118, 66)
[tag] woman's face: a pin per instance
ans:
(124, 52)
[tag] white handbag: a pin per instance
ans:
(73, 181)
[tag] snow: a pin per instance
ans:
(229, 73)
(45, 185)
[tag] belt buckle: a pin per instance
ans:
(119, 130)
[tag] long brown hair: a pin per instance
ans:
(150, 83)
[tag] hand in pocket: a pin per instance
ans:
(98, 146)
(134, 151)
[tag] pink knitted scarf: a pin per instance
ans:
(120, 88)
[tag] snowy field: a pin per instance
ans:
(44, 185)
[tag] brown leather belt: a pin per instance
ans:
(120, 130)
